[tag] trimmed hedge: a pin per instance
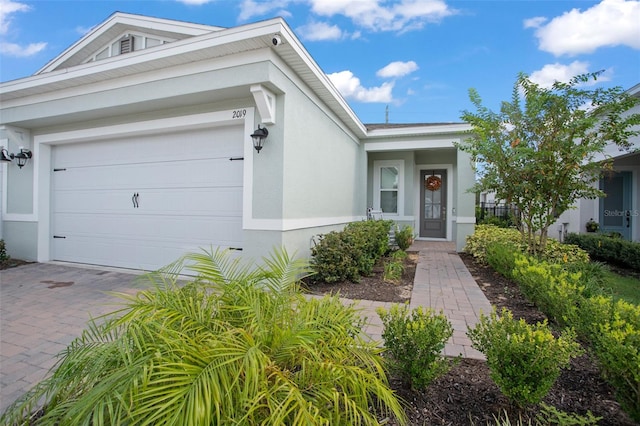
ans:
(555, 251)
(612, 327)
(608, 249)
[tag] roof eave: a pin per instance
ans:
(238, 39)
(420, 130)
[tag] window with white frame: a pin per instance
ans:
(388, 186)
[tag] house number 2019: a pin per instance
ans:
(239, 113)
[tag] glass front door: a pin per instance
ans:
(433, 204)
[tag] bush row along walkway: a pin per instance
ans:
(44, 306)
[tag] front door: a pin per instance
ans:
(433, 204)
(615, 208)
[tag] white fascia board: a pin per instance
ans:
(130, 20)
(131, 60)
(420, 130)
(634, 90)
(311, 64)
(140, 78)
(400, 145)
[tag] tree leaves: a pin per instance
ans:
(545, 148)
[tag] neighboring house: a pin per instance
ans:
(619, 211)
(142, 150)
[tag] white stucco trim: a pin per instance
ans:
(450, 206)
(293, 224)
(465, 219)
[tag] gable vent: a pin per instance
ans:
(126, 45)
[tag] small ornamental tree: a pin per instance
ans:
(546, 148)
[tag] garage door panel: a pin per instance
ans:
(146, 201)
(212, 202)
(203, 172)
(166, 229)
(192, 145)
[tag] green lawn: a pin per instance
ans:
(627, 288)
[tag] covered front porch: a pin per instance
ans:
(423, 181)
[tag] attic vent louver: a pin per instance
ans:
(126, 45)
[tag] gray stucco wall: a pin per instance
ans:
(311, 174)
(21, 239)
(324, 168)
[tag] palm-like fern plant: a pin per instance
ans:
(233, 346)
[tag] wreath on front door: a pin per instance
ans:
(433, 183)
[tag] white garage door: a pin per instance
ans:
(142, 202)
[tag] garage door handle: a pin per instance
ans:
(134, 200)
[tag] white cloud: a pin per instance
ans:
(8, 8)
(12, 49)
(251, 8)
(351, 88)
(397, 69)
(195, 2)
(609, 23)
(551, 73)
(315, 31)
(534, 22)
(374, 16)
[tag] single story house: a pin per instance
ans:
(136, 145)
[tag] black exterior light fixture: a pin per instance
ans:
(259, 136)
(21, 158)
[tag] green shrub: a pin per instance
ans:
(234, 346)
(404, 237)
(332, 259)
(415, 341)
(593, 276)
(608, 249)
(399, 255)
(571, 294)
(501, 257)
(371, 237)
(614, 329)
(563, 253)
(484, 235)
(3, 252)
(557, 292)
(555, 251)
(550, 415)
(352, 252)
(524, 360)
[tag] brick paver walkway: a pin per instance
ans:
(44, 306)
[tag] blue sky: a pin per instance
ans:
(416, 57)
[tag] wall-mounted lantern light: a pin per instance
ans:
(259, 136)
(21, 158)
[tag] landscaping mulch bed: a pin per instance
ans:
(467, 395)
